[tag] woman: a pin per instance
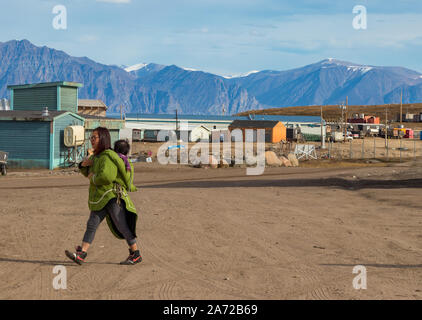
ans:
(110, 182)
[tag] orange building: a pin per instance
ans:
(275, 131)
(365, 119)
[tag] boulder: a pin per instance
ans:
(196, 163)
(293, 159)
(271, 159)
(212, 162)
(224, 163)
(285, 162)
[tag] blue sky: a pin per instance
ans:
(222, 36)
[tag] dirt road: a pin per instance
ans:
(292, 233)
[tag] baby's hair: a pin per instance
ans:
(122, 146)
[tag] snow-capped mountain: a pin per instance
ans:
(135, 67)
(330, 81)
(155, 88)
(240, 75)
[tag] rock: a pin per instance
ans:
(293, 159)
(285, 162)
(271, 159)
(212, 162)
(196, 163)
(224, 163)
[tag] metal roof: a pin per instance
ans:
(46, 84)
(91, 103)
(23, 115)
(179, 116)
(286, 119)
(283, 119)
(254, 124)
(95, 117)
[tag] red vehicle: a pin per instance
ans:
(409, 134)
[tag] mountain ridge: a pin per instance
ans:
(155, 88)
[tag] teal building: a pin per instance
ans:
(35, 138)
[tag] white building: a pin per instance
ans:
(4, 104)
(203, 125)
(200, 133)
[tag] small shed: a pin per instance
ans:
(92, 107)
(112, 124)
(200, 133)
(35, 140)
(137, 134)
(275, 131)
(56, 96)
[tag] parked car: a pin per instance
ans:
(3, 162)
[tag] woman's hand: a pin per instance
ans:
(87, 162)
(90, 175)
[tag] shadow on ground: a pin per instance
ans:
(289, 183)
(389, 266)
(51, 263)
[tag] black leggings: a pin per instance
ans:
(118, 215)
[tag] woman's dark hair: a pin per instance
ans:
(104, 142)
(122, 146)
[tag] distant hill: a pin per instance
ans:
(150, 89)
(391, 112)
(153, 88)
(330, 81)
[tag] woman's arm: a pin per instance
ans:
(84, 166)
(106, 172)
(132, 187)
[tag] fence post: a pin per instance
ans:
(375, 140)
(387, 151)
(351, 149)
(363, 148)
(400, 147)
(414, 149)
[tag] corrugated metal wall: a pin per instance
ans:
(113, 127)
(69, 99)
(59, 148)
(35, 98)
(27, 142)
(114, 135)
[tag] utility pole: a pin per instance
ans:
(386, 120)
(345, 118)
(401, 106)
(178, 137)
(322, 132)
(121, 112)
(342, 110)
(177, 123)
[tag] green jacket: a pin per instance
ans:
(110, 180)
